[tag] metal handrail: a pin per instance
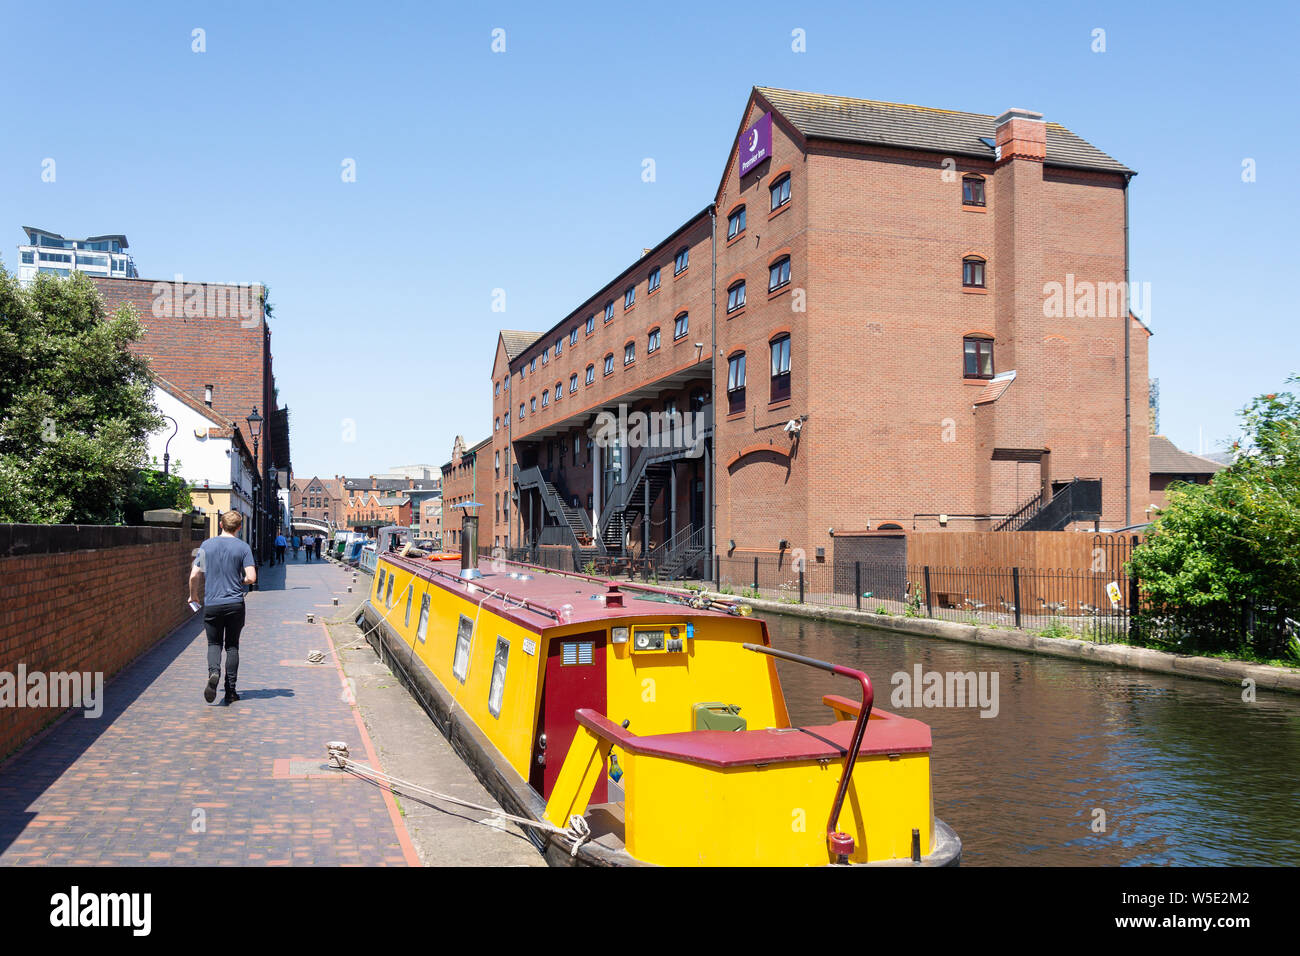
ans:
(839, 844)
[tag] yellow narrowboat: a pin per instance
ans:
(655, 718)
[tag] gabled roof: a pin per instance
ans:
(1168, 459)
(843, 118)
(516, 342)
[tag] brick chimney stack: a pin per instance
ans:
(1021, 134)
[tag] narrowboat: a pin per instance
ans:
(655, 718)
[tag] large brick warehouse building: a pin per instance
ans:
(888, 316)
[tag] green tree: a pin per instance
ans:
(1234, 542)
(76, 405)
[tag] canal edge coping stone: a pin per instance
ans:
(1265, 676)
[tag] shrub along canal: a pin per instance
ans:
(1184, 771)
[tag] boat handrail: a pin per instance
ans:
(839, 843)
(713, 603)
(507, 599)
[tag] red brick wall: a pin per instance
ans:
(86, 610)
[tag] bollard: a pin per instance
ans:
(336, 600)
(349, 589)
(311, 618)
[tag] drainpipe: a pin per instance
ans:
(1128, 378)
(711, 488)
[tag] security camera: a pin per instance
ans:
(793, 426)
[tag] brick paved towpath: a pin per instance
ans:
(162, 777)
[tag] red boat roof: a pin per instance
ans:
(538, 599)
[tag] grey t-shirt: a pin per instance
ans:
(222, 560)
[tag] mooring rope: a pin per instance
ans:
(576, 833)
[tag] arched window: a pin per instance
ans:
(609, 363)
(736, 383)
(778, 274)
(972, 190)
(681, 325)
(736, 296)
(591, 374)
(977, 357)
(780, 368)
(629, 353)
(736, 223)
(972, 272)
(652, 341)
(780, 192)
(682, 260)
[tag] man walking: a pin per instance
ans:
(307, 543)
(280, 544)
(320, 539)
(222, 569)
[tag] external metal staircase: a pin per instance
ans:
(1077, 500)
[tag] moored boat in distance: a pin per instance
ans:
(656, 718)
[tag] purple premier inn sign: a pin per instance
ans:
(756, 143)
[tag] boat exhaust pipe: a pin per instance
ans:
(469, 546)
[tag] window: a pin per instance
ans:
(28, 258)
(379, 585)
(573, 335)
(736, 296)
(778, 274)
(532, 404)
(629, 297)
(629, 353)
(780, 368)
(681, 325)
(410, 595)
(496, 427)
(521, 411)
(532, 366)
(546, 356)
(682, 262)
(609, 311)
(559, 390)
(972, 272)
(422, 628)
(496, 389)
(653, 282)
(388, 592)
(736, 223)
(577, 654)
(736, 383)
(652, 341)
(496, 690)
(559, 346)
(781, 191)
(609, 363)
(591, 324)
(978, 357)
(577, 448)
(591, 374)
(460, 661)
(972, 190)
(496, 461)
(546, 398)
(573, 382)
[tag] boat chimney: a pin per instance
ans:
(613, 597)
(468, 545)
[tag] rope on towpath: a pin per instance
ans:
(576, 833)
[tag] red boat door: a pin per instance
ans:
(575, 677)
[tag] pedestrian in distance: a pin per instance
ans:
(280, 544)
(297, 545)
(223, 568)
(320, 539)
(307, 544)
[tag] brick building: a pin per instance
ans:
(902, 316)
(368, 511)
(1169, 464)
(213, 342)
(467, 478)
(320, 498)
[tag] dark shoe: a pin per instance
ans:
(230, 698)
(210, 692)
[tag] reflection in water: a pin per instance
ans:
(1185, 772)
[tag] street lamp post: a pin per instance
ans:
(176, 426)
(255, 432)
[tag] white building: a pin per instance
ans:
(208, 451)
(50, 252)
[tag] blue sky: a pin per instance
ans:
(522, 170)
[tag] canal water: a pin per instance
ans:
(1184, 771)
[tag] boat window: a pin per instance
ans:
(497, 689)
(423, 627)
(410, 593)
(460, 663)
(379, 586)
(388, 593)
(576, 652)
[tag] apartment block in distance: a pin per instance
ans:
(889, 317)
(49, 252)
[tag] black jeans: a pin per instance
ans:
(223, 624)
(279, 554)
